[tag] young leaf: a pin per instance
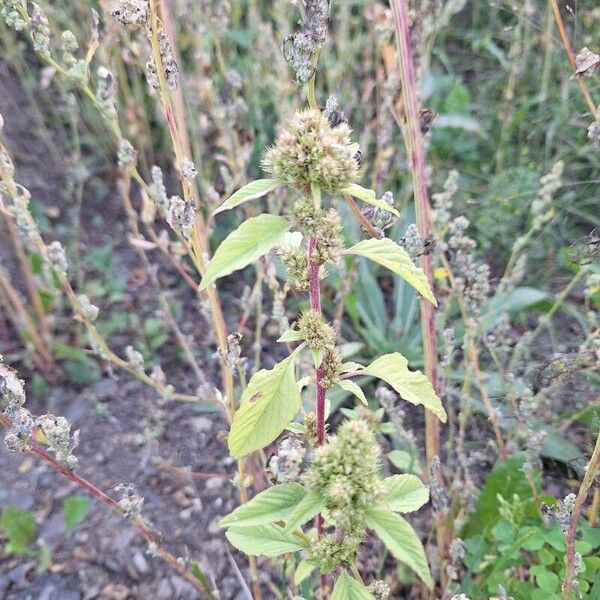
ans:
(413, 386)
(353, 388)
(264, 540)
(392, 256)
(274, 504)
(403, 460)
(303, 571)
(369, 197)
(269, 403)
(20, 529)
(317, 356)
(306, 509)
(75, 510)
(401, 541)
(290, 335)
(251, 240)
(347, 588)
(405, 493)
(251, 191)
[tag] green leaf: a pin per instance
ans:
(347, 588)
(264, 540)
(413, 386)
(317, 356)
(20, 529)
(75, 510)
(251, 240)
(395, 258)
(401, 541)
(251, 191)
(547, 581)
(306, 509)
(403, 460)
(269, 403)
(405, 493)
(370, 197)
(274, 504)
(353, 388)
(506, 478)
(202, 578)
(290, 335)
(303, 571)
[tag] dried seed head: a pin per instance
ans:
(105, 91)
(593, 133)
(188, 169)
(299, 47)
(57, 258)
(40, 31)
(158, 191)
(310, 151)
(12, 389)
(380, 589)
(181, 216)
(130, 503)
(59, 439)
(135, 359)
(587, 63)
(127, 155)
(87, 310)
(131, 12)
(9, 11)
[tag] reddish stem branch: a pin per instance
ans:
(149, 535)
(315, 304)
(414, 147)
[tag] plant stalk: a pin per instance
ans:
(150, 536)
(593, 468)
(423, 210)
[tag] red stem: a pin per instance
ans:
(315, 304)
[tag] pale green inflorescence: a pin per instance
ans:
(345, 471)
(309, 151)
(315, 331)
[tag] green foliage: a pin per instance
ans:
(347, 588)
(369, 196)
(268, 405)
(413, 386)
(20, 529)
(392, 256)
(405, 493)
(274, 504)
(265, 540)
(401, 540)
(75, 510)
(251, 240)
(251, 191)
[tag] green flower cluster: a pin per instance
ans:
(346, 472)
(324, 225)
(309, 151)
(317, 334)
